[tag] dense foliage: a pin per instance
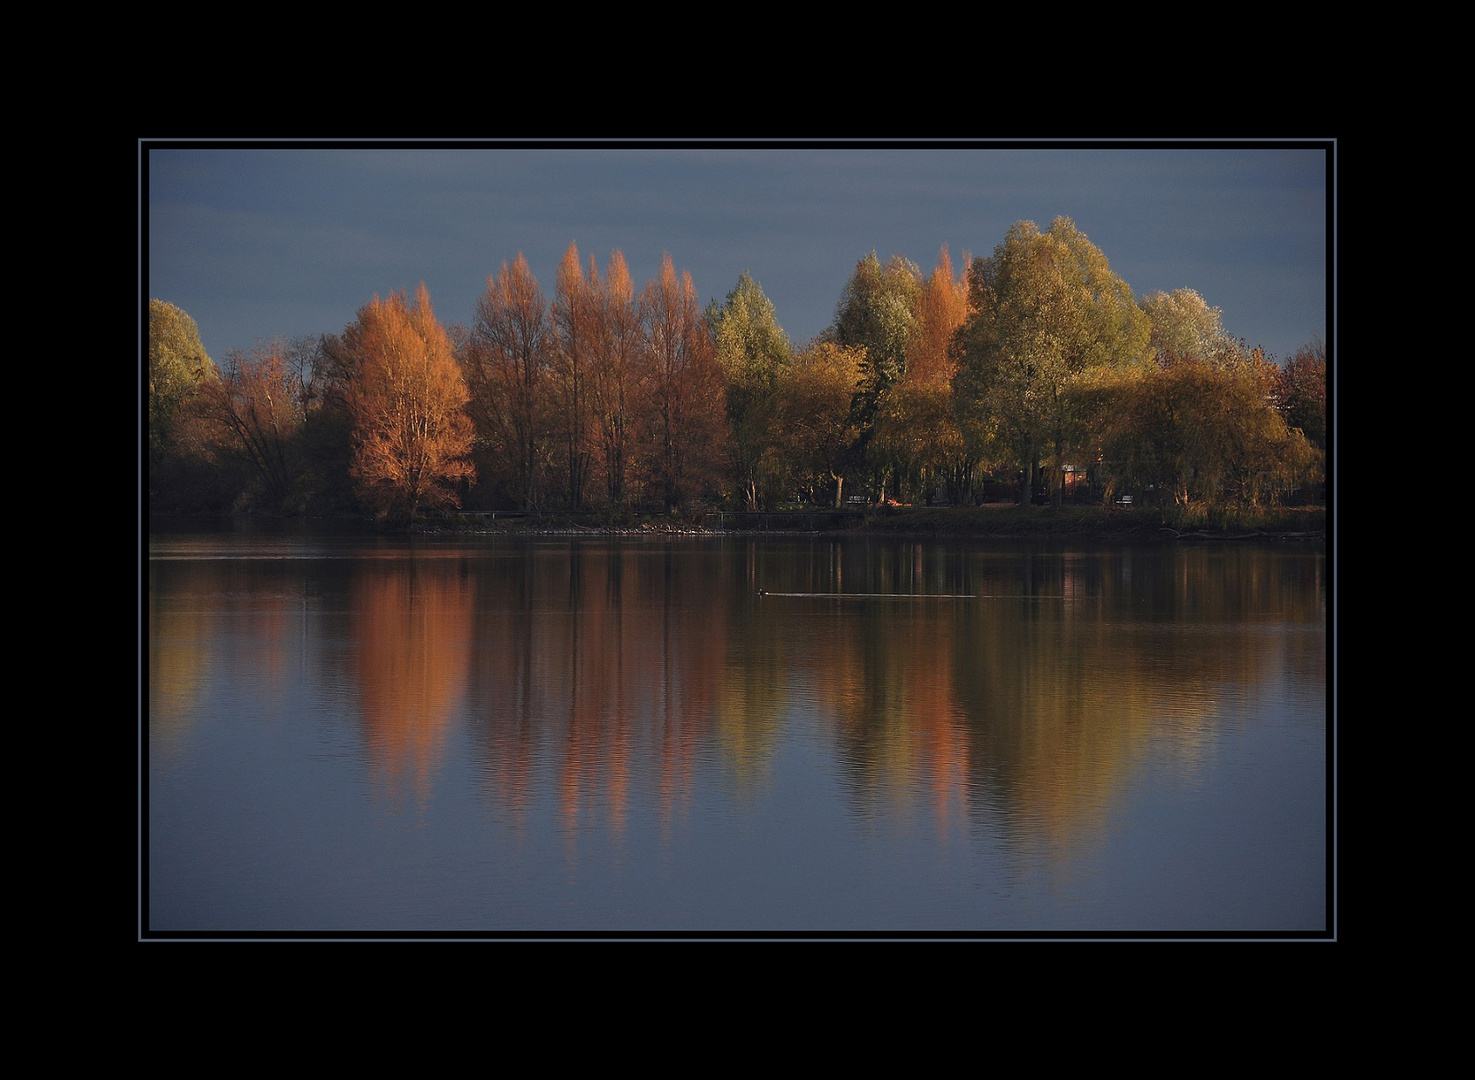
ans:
(1045, 314)
(1033, 373)
(411, 435)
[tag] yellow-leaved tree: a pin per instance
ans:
(817, 416)
(412, 436)
(1045, 313)
(917, 432)
(177, 367)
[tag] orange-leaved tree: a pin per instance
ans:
(916, 430)
(411, 435)
(618, 390)
(687, 427)
(574, 319)
(508, 363)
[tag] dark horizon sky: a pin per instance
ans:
(260, 240)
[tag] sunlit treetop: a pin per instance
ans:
(1185, 327)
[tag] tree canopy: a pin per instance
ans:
(1044, 309)
(754, 355)
(817, 423)
(687, 427)
(508, 362)
(411, 434)
(1036, 365)
(1184, 326)
(1198, 433)
(877, 312)
(177, 366)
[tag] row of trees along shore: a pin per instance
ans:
(1034, 374)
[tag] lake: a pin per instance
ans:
(732, 736)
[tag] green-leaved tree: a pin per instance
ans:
(754, 354)
(1045, 310)
(177, 366)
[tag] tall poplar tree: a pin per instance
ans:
(574, 317)
(754, 353)
(617, 386)
(916, 429)
(877, 313)
(508, 368)
(687, 431)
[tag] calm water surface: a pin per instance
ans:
(732, 734)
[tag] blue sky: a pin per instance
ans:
(257, 240)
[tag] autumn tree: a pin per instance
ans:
(177, 366)
(255, 412)
(687, 429)
(754, 353)
(916, 427)
(1300, 391)
(575, 324)
(616, 384)
(817, 420)
(917, 435)
(1197, 434)
(411, 435)
(1045, 310)
(507, 364)
(941, 306)
(1183, 326)
(877, 313)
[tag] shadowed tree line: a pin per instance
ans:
(1033, 374)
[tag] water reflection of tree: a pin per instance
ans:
(591, 661)
(199, 609)
(608, 668)
(410, 623)
(1035, 703)
(180, 643)
(1066, 700)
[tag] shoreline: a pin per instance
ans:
(990, 522)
